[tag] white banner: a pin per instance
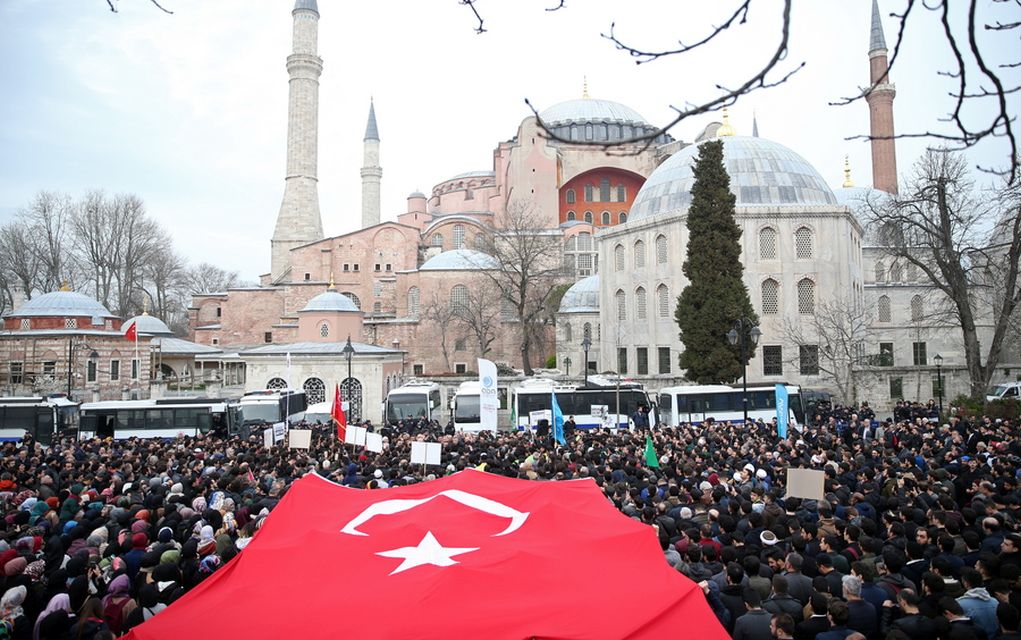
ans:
(425, 453)
(355, 436)
(267, 437)
(299, 438)
(374, 442)
(489, 402)
(279, 431)
(543, 414)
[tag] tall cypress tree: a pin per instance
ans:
(716, 295)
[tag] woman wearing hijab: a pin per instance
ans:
(90, 621)
(53, 554)
(117, 604)
(55, 619)
(12, 613)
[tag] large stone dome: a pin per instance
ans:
(582, 297)
(67, 304)
(763, 173)
(586, 110)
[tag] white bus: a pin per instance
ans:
(41, 418)
(414, 400)
(465, 409)
(271, 407)
(603, 402)
(694, 404)
(162, 418)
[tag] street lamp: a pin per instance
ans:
(939, 381)
(585, 344)
(348, 351)
(397, 346)
(745, 333)
(567, 365)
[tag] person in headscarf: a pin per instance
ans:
(53, 554)
(12, 612)
(15, 567)
(69, 509)
(45, 628)
(118, 604)
(207, 543)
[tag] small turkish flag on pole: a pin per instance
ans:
(131, 333)
(337, 413)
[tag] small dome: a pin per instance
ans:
(459, 260)
(148, 326)
(330, 300)
(763, 173)
(416, 194)
(590, 110)
(582, 297)
(62, 304)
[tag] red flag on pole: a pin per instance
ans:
(131, 333)
(495, 557)
(337, 413)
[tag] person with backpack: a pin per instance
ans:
(117, 604)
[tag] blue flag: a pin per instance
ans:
(558, 422)
(782, 410)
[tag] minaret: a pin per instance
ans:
(299, 222)
(880, 99)
(371, 172)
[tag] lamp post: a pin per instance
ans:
(585, 345)
(745, 333)
(567, 365)
(397, 346)
(348, 351)
(939, 381)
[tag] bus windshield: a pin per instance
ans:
(404, 406)
(260, 412)
(466, 409)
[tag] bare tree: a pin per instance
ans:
(165, 283)
(977, 75)
(526, 269)
(113, 6)
(19, 262)
(832, 341)
(209, 278)
(441, 316)
(49, 218)
(941, 226)
(480, 315)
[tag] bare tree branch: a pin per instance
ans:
(155, 3)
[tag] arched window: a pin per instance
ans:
(586, 332)
(353, 298)
(315, 390)
(663, 296)
(767, 244)
(324, 330)
(413, 301)
(351, 392)
(884, 308)
(584, 241)
(622, 218)
(618, 258)
(661, 249)
(459, 298)
(880, 272)
(570, 197)
(588, 217)
(917, 309)
(896, 273)
(571, 215)
(770, 297)
(606, 218)
(460, 344)
(640, 303)
(803, 243)
(639, 254)
(276, 383)
(604, 190)
(459, 236)
(588, 193)
(621, 193)
(621, 305)
(377, 288)
(567, 332)
(806, 296)
(437, 240)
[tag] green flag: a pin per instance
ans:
(651, 458)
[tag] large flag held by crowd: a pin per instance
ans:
(469, 555)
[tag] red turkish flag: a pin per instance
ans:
(470, 555)
(131, 333)
(337, 413)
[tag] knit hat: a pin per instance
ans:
(139, 540)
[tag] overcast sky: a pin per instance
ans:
(188, 111)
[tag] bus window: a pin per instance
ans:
(205, 422)
(44, 431)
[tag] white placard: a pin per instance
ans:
(489, 403)
(355, 436)
(300, 438)
(535, 416)
(600, 410)
(267, 438)
(374, 442)
(279, 431)
(806, 483)
(425, 453)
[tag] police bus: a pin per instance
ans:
(272, 407)
(41, 418)
(415, 400)
(605, 401)
(162, 418)
(694, 404)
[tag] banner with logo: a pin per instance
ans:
(782, 410)
(489, 402)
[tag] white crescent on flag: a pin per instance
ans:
(390, 507)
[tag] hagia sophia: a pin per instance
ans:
(620, 218)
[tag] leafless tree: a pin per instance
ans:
(49, 219)
(941, 226)
(526, 269)
(165, 282)
(442, 317)
(19, 262)
(480, 315)
(113, 6)
(833, 340)
(209, 278)
(980, 73)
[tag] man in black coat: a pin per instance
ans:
(754, 624)
(782, 602)
(817, 623)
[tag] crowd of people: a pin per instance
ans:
(917, 536)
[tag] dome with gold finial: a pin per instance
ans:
(725, 129)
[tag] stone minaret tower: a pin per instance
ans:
(299, 222)
(880, 99)
(371, 172)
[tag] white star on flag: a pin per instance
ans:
(428, 551)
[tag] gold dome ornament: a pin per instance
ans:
(848, 182)
(725, 128)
